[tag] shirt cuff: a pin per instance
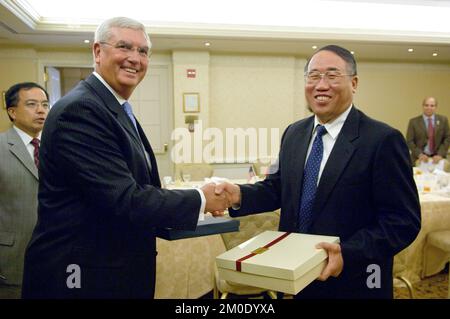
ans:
(203, 205)
(238, 206)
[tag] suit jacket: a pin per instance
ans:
(366, 196)
(18, 204)
(417, 136)
(99, 203)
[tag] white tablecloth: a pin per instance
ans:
(418, 260)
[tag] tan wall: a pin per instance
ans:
(252, 91)
(182, 61)
(23, 65)
(393, 92)
(241, 90)
(268, 92)
(249, 91)
(15, 66)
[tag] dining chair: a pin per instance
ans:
(441, 240)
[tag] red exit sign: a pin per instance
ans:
(191, 73)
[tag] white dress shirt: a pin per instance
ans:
(26, 139)
(333, 128)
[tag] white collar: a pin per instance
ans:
(334, 127)
(119, 99)
(425, 117)
(24, 136)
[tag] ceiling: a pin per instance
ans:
(22, 26)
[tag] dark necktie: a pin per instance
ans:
(430, 135)
(35, 143)
(129, 111)
(310, 176)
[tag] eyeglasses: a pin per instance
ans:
(332, 77)
(31, 104)
(128, 49)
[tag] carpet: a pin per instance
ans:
(434, 287)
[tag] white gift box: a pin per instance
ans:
(279, 261)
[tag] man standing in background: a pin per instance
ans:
(27, 106)
(428, 135)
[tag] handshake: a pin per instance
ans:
(221, 196)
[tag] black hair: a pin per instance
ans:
(341, 52)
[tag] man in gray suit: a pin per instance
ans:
(27, 106)
(428, 135)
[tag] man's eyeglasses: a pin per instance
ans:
(332, 77)
(128, 49)
(31, 104)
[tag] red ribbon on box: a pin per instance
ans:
(260, 250)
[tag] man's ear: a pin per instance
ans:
(354, 84)
(96, 49)
(12, 112)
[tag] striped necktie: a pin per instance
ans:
(430, 136)
(35, 142)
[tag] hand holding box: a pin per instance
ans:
(285, 262)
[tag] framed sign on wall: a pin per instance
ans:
(191, 102)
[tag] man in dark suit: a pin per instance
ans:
(100, 199)
(340, 173)
(27, 106)
(428, 135)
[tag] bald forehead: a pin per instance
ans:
(429, 101)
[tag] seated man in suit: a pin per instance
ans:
(27, 106)
(428, 135)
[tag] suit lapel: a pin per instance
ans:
(438, 130)
(337, 161)
(111, 103)
(20, 151)
(302, 137)
(422, 126)
(154, 175)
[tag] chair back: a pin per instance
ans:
(251, 226)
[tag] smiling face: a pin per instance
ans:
(31, 111)
(122, 70)
(329, 100)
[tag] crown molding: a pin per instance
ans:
(23, 11)
(37, 24)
